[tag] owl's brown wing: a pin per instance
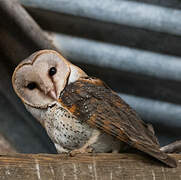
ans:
(91, 101)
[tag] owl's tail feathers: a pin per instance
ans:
(170, 161)
(155, 152)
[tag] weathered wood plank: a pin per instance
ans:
(87, 166)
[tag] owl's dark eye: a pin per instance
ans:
(52, 71)
(31, 85)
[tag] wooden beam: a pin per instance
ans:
(18, 15)
(86, 166)
(5, 146)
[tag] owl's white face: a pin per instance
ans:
(39, 80)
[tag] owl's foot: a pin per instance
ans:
(80, 151)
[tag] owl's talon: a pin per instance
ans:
(80, 151)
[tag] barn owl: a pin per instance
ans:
(80, 113)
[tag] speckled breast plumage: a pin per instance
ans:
(69, 133)
(64, 129)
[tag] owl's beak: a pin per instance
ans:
(52, 94)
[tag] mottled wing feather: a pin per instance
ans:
(91, 101)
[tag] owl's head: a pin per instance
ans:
(39, 79)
